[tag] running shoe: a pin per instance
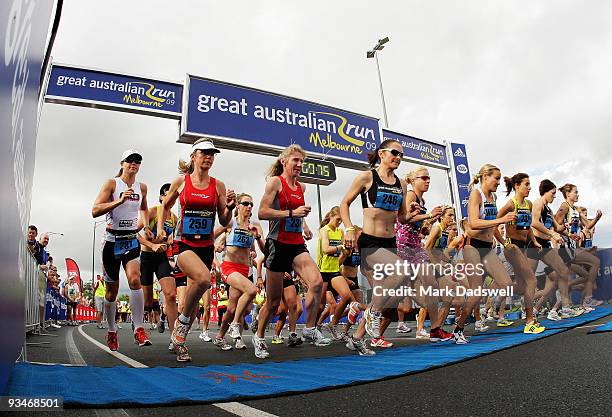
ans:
(205, 337)
(171, 347)
(568, 313)
(481, 326)
(591, 302)
(491, 318)
(587, 309)
(344, 336)
(182, 354)
(331, 328)
(180, 332)
(277, 340)
(111, 341)
(359, 346)
(261, 349)
(240, 344)
(439, 335)
(380, 343)
(422, 334)
(57, 326)
(234, 331)
(141, 338)
(581, 310)
(459, 337)
(222, 344)
(504, 323)
(403, 328)
(372, 319)
(294, 340)
(162, 327)
(353, 312)
(553, 315)
(533, 328)
(315, 337)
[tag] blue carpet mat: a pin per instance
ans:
(122, 386)
(603, 328)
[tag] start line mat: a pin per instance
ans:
(123, 387)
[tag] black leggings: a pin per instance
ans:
(220, 312)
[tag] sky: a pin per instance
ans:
(525, 85)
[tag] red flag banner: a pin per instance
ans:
(73, 271)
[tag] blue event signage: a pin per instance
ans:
(460, 175)
(95, 88)
(419, 150)
(243, 118)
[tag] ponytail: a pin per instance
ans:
(516, 179)
(487, 169)
(120, 173)
(566, 189)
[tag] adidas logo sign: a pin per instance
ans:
(459, 153)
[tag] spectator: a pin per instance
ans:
(41, 254)
(72, 293)
(99, 292)
(32, 235)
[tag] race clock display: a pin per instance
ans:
(318, 171)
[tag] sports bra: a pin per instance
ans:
(382, 195)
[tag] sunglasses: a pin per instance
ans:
(394, 152)
(425, 177)
(133, 161)
(208, 152)
(246, 203)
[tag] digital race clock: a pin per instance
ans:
(318, 171)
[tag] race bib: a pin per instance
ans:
(490, 211)
(124, 244)
(198, 222)
(242, 238)
(523, 219)
(388, 201)
(293, 225)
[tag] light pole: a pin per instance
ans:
(372, 54)
(93, 252)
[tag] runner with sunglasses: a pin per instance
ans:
(284, 207)
(201, 198)
(123, 200)
(239, 236)
(383, 198)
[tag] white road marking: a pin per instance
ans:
(231, 407)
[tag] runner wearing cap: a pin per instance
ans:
(284, 207)
(201, 197)
(123, 200)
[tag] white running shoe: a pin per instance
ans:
(240, 344)
(331, 328)
(234, 331)
(372, 325)
(422, 334)
(359, 346)
(591, 302)
(481, 326)
(205, 337)
(222, 344)
(403, 328)
(261, 349)
(460, 338)
(553, 315)
(315, 337)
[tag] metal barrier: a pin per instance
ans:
(35, 288)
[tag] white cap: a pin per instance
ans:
(129, 153)
(204, 146)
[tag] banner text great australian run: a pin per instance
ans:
(217, 109)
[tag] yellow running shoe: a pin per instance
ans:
(504, 323)
(533, 328)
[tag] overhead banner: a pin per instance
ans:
(419, 150)
(460, 175)
(247, 119)
(112, 91)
